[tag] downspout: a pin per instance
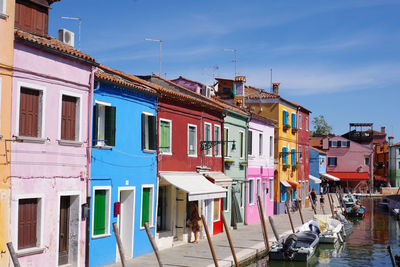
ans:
(201, 138)
(245, 171)
(224, 113)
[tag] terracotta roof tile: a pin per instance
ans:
(254, 93)
(262, 118)
(52, 43)
(318, 150)
(232, 107)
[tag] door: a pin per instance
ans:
(63, 251)
(218, 206)
(180, 215)
(208, 214)
(126, 220)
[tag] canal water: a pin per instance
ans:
(366, 246)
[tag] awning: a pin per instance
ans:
(219, 178)
(351, 175)
(285, 184)
(195, 184)
(294, 184)
(315, 179)
(330, 177)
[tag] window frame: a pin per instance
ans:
(195, 140)
(108, 211)
(219, 139)
(227, 202)
(41, 112)
(365, 161)
(329, 164)
(39, 223)
(260, 144)
(101, 143)
(250, 143)
(251, 194)
(151, 205)
(147, 148)
(242, 145)
(78, 116)
(209, 152)
(170, 136)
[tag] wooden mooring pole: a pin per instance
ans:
(209, 241)
(119, 244)
(300, 212)
(290, 216)
(14, 257)
(153, 243)
(331, 206)
(228, 235)
(263, 226)
(391, 256)
(271, 221)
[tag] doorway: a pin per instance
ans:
(63, 239)
(126, 220)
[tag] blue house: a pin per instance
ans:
(123, 166)
(317, 166)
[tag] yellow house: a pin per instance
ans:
(271, 105)
(7, 10)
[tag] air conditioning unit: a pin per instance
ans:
(66, 36)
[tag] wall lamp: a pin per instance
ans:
(206, 145)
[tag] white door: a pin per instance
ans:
(126, 220)
(208, 214)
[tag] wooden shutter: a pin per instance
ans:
(99, 220)
(294, 160)
(29, 112)
(145, 206)
(250, 147)
(109, 131)
(68, 118)
(152, 123)
(27, 223)
(144, 131)
(192, 134)
(95, 130)
(165, 136)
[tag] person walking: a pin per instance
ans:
(313, 198)
(322, 203)
(195, 222)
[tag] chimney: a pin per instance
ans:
(275, 88)
(390, 140)
(383, 129)
(240, 82)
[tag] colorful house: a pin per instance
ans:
(317, 167)
(394, 163)
(260, 170)
(6, 65)
(189, 149)
(123, 166)
(49, 148)
(303, 146)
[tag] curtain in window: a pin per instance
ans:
(192, 138)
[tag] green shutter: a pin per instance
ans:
(95, 124)
(144, 131)
(110, 113)
(164, 136)
(241, 144)
(99, 220)
(145, 206)
(191, 141)
(152, 122)
(226, 136)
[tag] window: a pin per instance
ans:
(70, 117)
(101, 211)
(260, 144)
(366, 161)
(307, 124)
(226, 136)
(147, 206)
(207, 137)
(104, 124)
(226, 202)
(165, 136)
(271, 146)
(294, 158)
(216, 210)
(332, 161)
(241, 144)
(334, 143)
(271, 190)
(258, 187)
(31, 111)
(3, 8)
(250, 141)
(192, 140)
(294, 193)
(300, 121)
(217, 137)
(285, 155)
(251, 191)
(285, 115)
(149, 132)
(294, 120)
(29, 223)
(283, 193)
(300, 154)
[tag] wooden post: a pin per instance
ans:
(290, 217)
(330, 205)
(301, 213)
(153, 243)
(119, 244)
(391, 256)
(14, 257)
(263, 226)
(271, 221)
(209, 241)
(228, 235)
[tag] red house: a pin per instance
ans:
(303, 142)
(188, 123)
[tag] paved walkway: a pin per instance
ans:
(248, 242)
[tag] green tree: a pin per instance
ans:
(320, 125)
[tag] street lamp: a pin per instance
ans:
(160, 41)
(234, 57)
(79, 29)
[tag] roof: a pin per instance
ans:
(186, 79)
(351, 175)
(121, 78)
(263, 119)
(52, 44)
(231, 107)
(397, 144)
(318, 150)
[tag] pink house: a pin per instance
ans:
(49, 151)
(260, 170)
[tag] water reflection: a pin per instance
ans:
(366, 246)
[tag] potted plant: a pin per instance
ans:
(286, 166)
(294, 129)
(286, 126)
(228, 162)
(243, 163)
(295, 166)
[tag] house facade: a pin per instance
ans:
(49, 150)
(303, 148)
(260, 170)
(7, 10)
(317, 167)
(394, 163)
(123, 166)
(190, 166)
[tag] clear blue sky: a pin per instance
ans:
(337, 58)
